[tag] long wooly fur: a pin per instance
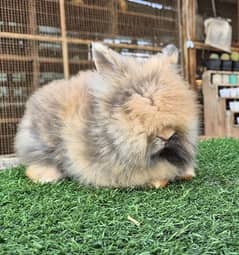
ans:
(129, 123)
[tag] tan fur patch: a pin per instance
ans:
(43, 174)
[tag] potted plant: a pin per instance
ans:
(235, 61)
(213, 63)
(226, 62)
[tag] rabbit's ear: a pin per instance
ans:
(106, 60)
(171, 51)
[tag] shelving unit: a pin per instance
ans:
(220, 120)
(192, 56)
(194, 12)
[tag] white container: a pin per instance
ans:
(234, 106)
(237, 119)
(233, 92)
(217, 79)
(237, 90)
(224, 92)
(231, 104)
(225, 79)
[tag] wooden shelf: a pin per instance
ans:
(138, 14)
(75, 41)
(232, 111)
(6, 136)
(223, 98)
(6, 104)
(203, 46)
(226, 85)
(42, 59)
(91, 7)
(222, 71)
(10, 120)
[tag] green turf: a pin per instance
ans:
(198, 217)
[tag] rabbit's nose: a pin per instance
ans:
(168, 138)
(166, 134)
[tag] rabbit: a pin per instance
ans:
(129, 123)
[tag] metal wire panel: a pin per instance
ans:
(44, 40)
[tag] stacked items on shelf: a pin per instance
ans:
(224, 62)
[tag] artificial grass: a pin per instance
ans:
(197, 217)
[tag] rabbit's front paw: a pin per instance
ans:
(187, 175)
(159, 184)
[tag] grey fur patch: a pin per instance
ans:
(105, 147)
(39, 139)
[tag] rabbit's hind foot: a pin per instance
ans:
(43, 174)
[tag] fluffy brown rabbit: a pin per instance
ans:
(129, 123)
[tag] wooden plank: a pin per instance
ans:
(7, 57)
(228, 123)
(180, 29)
(14, 57)
(34, 48)
(192, 56)
(75, 41)
(184, 40)
(192, 19)
(237, 20)
(210, 106)
(192, 66)
(64, 40)
(9, 120)
(220, 116)
(30, 37)
(114, 15)
(203, 46)
(143, 15)
(204, 137)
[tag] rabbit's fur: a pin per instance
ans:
(130, 123)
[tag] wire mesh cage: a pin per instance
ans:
(44, 40)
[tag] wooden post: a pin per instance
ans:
(114, 15)
(189, 54)
(238, 20)
(34, 51)
(76, 41)
(184, 40)
(192, 52)
(64, 40)
(180, 34)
